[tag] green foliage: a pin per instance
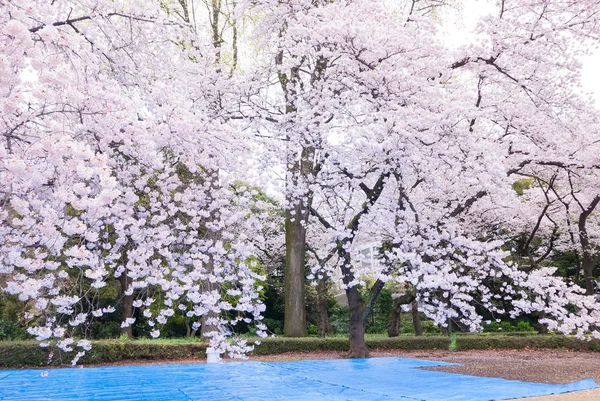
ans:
(339, 317)
(274, 325)
(522, 185)
(429, 327)
(406, 324)
(566, 264)
(109, 330)
(382, 309)
(28, 353)
(273, 315)
(11, 310)
(280, 345)
(9, 330)
(509, 327)
(453, 346)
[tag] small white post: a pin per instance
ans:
(212, 355)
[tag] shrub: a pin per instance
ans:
(274, 325)
(339, 317)
(509, 327)
(9, 330)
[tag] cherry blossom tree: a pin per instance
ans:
(420, 141)
(107, 174)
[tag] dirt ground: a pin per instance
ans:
(542, 366)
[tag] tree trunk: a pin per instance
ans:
(323, 325)
(126, 304)
(358, 348)
(299, 167)
(588, 273)
(395, 316)
(188, 328)
(406, 297)
(587, 262)
(205, 327)
(416, 317)
(541, 327)
(294, 324)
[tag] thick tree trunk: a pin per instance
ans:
(416, 317)
(358, 347)
(323, 325)
(407, 297)
(126, 304)
(541, 327)
(205, 326)
(394, 324)
(588, 259)
(296, 219)
(188, 328)
(294, 324)
(588, 273)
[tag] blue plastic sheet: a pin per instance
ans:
(374, 379)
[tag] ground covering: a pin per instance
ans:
(380, 379)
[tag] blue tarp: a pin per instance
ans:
(374, 379)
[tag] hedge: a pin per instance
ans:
(16, 354)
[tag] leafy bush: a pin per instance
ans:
(429, 327)
(274, 325)
(509, 327)
(339, 317)
(11, 331)
(109, 330)
(380, 316)
(29, 353)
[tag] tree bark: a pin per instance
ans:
(541, 327)
(407, 297)
(126, 304)
(588, 259)
(395, 316)
(294, 324)
(416, 317)
(208, 286)
(358, 347)
(323, 324)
